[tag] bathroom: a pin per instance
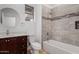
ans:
(39, 28)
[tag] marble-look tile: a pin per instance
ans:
(77, 42)
(66, 16)
(63, 28)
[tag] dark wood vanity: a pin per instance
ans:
(13, 45)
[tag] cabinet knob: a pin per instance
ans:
(23, 39)
(6, 40)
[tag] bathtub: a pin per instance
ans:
(56, 47)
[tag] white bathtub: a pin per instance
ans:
(56, 47)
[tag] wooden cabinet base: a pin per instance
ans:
(13, 45)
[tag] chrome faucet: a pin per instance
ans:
(7, 32)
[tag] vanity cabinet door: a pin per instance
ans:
(0, 45)
(22, 44)
(11, 44)
(3, 45)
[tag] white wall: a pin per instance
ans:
(24, 27)
(20, 10)
(38, 20)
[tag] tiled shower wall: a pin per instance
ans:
(62, 26)
(47, 30)
(63, 29)
(46, 24)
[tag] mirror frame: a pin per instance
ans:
(12, 12)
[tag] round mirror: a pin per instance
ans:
(9, 17)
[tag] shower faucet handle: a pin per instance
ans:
(47, 33)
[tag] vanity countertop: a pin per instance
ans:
(12, 35)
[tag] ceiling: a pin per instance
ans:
(51, 6)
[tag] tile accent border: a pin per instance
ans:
(46, 18)
(64, 16)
